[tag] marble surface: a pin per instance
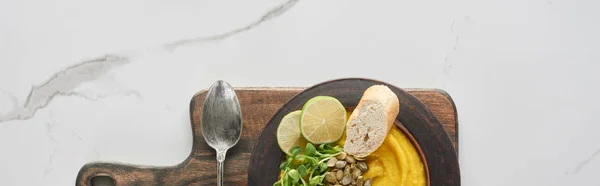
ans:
(84, 81)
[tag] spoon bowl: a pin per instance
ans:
(221, 122)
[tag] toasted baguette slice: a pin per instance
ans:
(371, 121)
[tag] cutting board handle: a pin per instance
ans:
(125, 174)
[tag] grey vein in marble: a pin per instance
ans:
(452, 25)
(447, 68)
(91, 98)
(586, 161)
(62, 83)
(273, 13)
(448, 65)
(76, 135)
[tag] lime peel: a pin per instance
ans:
(288, 132)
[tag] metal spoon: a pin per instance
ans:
(221, 121)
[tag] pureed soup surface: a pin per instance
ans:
(395, 163)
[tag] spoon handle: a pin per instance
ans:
(220, 162)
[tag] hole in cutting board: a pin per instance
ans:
(103, 181)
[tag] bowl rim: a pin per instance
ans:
(424, 158)
(418, 148)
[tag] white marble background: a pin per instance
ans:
(111, 80)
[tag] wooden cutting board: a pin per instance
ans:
(258, 106)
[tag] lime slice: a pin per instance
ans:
(323, 120)
(288, 132)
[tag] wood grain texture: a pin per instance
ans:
(258, 106)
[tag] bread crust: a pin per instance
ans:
(388, 98)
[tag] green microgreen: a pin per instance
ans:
(308, 168)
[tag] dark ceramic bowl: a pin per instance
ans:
(414, 119)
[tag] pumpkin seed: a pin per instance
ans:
(339, 174)
(362, 166)
(350, 159)
(330, 177)
(360, 181)
(347, 179)
(356, 174)
(340, 164)
(331, 162)
(347, 170)
(360, 158)
(341, 156)
(368, 182)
